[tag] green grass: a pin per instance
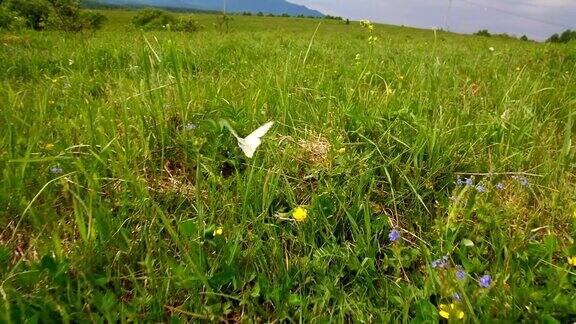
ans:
(125, 232)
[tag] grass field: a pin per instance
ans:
(437, 172)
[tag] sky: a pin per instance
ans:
(537, 19)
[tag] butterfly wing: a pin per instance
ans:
(261, 131)
(252, 141)
(224, 123)
(249, 147)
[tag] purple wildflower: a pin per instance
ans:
(460, 274)
(524, 182)
(191, 126)
(457, 296)
(394, 235)
(440, 263)
(485, 281)
(499, 186)
(480, 188)
(56, 170)
(464, 181)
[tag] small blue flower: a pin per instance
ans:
(480, 188)
(457, 296)
(56, 170)
(469, 181)
(485, 281)
(499, 186)
(394, 235)
(524, 182)
(460, 274)
(460, 181)
(191, 126)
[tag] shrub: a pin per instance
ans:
(223, 23)
(35, 12)
(66, 15)
(94, 20)
(5, 18)
(524, 38)
(54, 14)
(188, 25)
(260, 14)
(483, 32)
(154, 19)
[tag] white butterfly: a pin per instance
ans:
(250, 143)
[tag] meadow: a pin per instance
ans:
(410, 175)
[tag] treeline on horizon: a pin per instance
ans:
(567, 36)
(91, 4)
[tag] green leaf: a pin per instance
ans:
(48, 263)
(187, 227)
(467, 242)
(426, 312)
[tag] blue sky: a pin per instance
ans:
(537, 19)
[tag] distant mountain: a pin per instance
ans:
(276, 7)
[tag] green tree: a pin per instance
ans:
(553, 39)
(567, 36)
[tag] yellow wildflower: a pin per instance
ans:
(572, 261)
(218, 231)
(342, 150)
(446, 311)
(366, 24)
(49, 146)
(300, 214)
